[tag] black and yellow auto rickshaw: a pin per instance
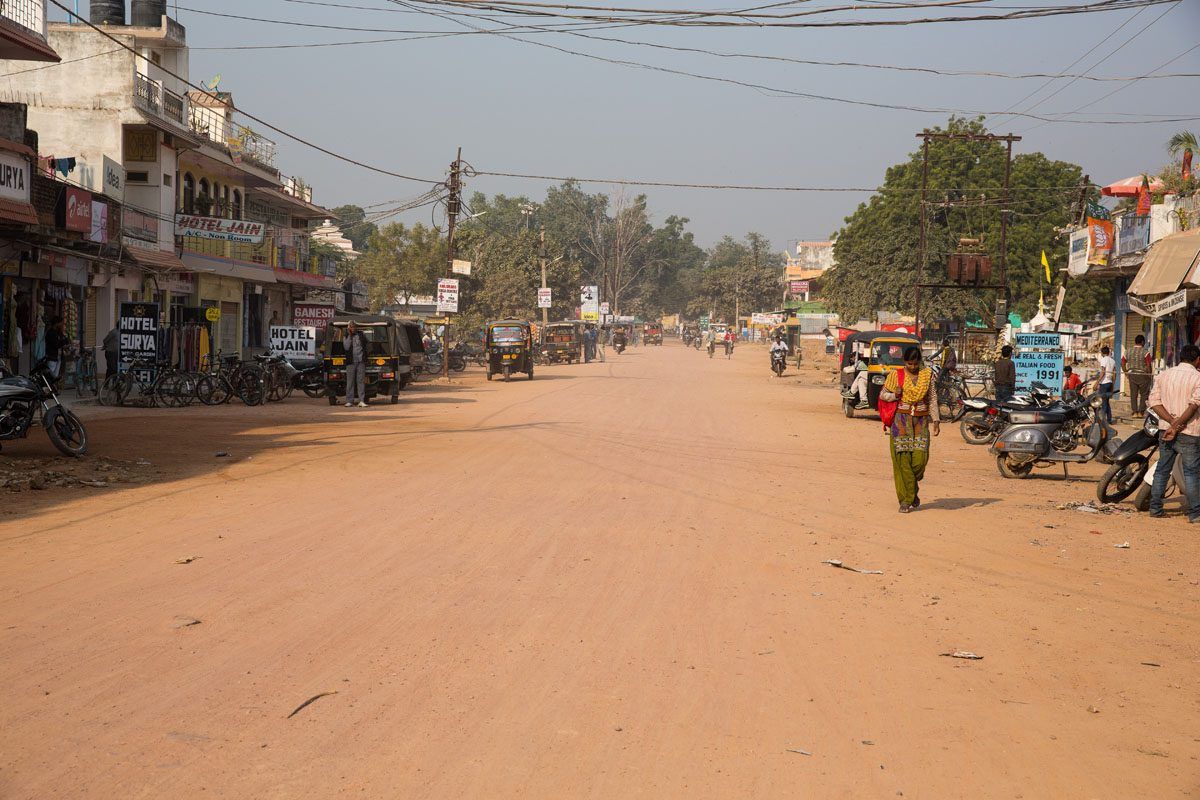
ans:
(883, 353)
(390, 344)
(654, 333)
(509, 345)
(562, 342)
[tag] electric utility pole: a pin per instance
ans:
(542, 256)
(453, 202)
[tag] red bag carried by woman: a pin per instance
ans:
(887, 408)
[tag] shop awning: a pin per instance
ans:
(297, 278)
(155, 259)
(16, 211)
(194, 262)
(1169, 262)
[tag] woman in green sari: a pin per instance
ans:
(916, 416)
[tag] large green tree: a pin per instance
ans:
(878, 249)
(400, 260)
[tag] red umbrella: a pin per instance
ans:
(1130, 187)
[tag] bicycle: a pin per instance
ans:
(121, 386)
(278, 375)
(85, 374)
(227, 378)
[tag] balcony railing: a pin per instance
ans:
(29, 14)
(281, 248)
(153, 98)
(240, 141)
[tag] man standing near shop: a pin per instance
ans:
(1108, 372)
(1175, 397)
(1005, 376)
(1137, 371)
(355, 345)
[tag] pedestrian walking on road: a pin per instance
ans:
(355, 345)
(1005, 377)
(1175, 398)
(1108, 371)
(1137, 372)
(916, 416)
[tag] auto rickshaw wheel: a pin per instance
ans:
(530, 373)
(507, 372)
(489, 374)
(848, 408)
(333, 399)
(395, 399)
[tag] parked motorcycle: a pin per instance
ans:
(24, 399)
(1048, 436)
(778, 362)
(1131, 464)
(311, 380)
(984, 419)
(712, 348)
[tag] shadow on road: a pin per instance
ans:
(958, 503)
(136, 447)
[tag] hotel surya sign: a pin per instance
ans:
(228, 230)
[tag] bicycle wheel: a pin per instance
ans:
(212, 390)
(107, 396)
(251, 386)
(283, 382)
(186, 389)
(166, 390)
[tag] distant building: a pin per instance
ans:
(331, 234)
(805, 269)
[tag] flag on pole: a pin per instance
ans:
(1046, 264)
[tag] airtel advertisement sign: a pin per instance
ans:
(77, 210)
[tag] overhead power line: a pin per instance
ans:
(472, 172)
(792, 93)
(782, 21)
(294, 137)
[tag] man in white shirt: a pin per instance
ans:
(1108, 371)
(1175, 397)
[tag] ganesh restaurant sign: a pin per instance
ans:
(228, 230)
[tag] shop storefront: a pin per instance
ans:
(224, 294)
(1163, 300)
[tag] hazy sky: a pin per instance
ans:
(518, 107)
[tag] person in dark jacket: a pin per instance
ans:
(1006, 374)
(355, 345)
(112, 345)
(56, 341)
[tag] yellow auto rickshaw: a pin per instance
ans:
(877, 353)
(509, 346)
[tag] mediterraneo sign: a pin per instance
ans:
(228, 230)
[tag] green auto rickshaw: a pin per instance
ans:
(509, 346)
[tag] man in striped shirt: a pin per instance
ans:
(1175, 398)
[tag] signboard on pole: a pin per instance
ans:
(1039, 359)
(138, 327)
(605, 309)
(1077, 257)
(589, 303)
(1160, 308)
(294, 344)
(460, 267)
(544, 298)
(113, 180)
(447, 296)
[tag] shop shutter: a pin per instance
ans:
(1135, 324)
(89, 321)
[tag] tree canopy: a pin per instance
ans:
(878, 250)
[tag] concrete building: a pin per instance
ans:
(207, 220)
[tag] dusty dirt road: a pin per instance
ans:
(606, 582)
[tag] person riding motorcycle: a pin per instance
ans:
(730, 338)
(779, 345)
(618, 339)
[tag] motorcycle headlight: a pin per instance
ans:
(878, 380)
(1151, 425)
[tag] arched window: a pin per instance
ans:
(226, 210)
(236, 210)
(204, 198)
(189, 194)
(216, 196)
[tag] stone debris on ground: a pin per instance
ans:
(41, 474)
(1091, 507)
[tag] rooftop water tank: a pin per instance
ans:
(108, 12)
(148, 13)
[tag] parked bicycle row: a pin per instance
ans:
(266, 378)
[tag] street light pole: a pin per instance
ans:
(452, 207)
